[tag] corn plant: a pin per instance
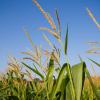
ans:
(49, 79)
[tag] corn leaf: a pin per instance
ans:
(64, 84)
(78, 75)
(49, 77)
(34, 70)
(58, 19)
(98, 64)
(58, 81)
(66, 41)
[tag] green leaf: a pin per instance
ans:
(98, 64)
(49, 77)
(64, 84)
(78, 75)
(66, 41)
(68, 91)
(59, 80)
(34, 70)
(71, 84)
(58, 19)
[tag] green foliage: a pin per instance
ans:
(98, 64)
(66, 41)
(51, 81)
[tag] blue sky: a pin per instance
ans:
(16, 14)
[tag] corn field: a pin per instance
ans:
(49, 79)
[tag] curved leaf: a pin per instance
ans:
(98, 64)
(49, 77)
(34, 70)
(78, 75)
